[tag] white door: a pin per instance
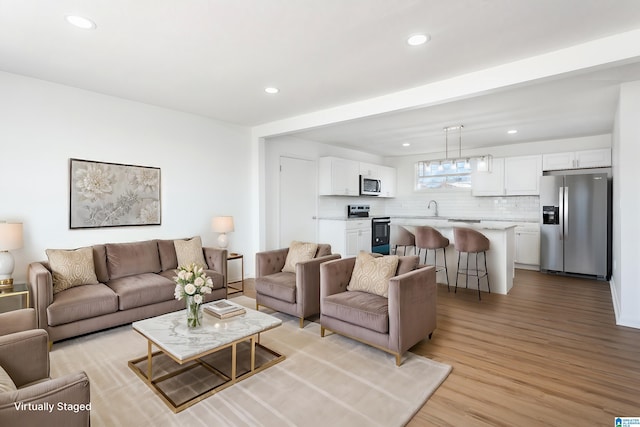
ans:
(298, 200)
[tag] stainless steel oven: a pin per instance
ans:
(380, 230)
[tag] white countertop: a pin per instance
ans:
(441, 222)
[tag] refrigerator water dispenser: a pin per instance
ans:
(550, 215)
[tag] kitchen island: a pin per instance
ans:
(500, 256)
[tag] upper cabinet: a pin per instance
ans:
(338, 177)
(369, 170)
(577, 159)
(489, 183)
(510, 176)
(522, 175)
(341, 177)
(389, 179)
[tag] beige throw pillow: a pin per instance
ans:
(190, 252)
(371, 274)
(298, 252)
(71, 268)
(6, 383)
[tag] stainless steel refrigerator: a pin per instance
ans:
(575, 230)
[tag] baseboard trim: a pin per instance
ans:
(620, 321)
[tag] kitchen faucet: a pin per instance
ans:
(435, 203)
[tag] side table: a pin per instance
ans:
(232, 289)
(19, 289)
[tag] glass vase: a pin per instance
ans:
(194, 312)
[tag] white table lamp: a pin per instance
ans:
(10, 239)
(222, 225)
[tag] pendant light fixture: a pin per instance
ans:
(459, 164)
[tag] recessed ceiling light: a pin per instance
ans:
(271, 90)
(512, 131)
(406, 144)
(418, 39)
(80, 22)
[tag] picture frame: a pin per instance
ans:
(105, 194)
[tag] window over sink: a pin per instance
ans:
(445, 174)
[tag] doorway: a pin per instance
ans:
(298, 200)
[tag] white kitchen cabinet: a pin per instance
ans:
(577, 159)
(338, 177)
(489, 183)
(527, 246)
(346, 237)
(509, 176)
(388, 177)
(593, 158)
(522, 175)
(369, 170)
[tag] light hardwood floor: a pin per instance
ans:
(549, 353)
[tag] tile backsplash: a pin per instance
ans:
(450, 204)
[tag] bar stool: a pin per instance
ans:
(430, 238)
(469, 241)
(400, 236)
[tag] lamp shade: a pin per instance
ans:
(222, 224)
(10, 236)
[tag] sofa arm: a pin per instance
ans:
(17, 321)
(216, 260)
(308, 284)
(25, 356)
(270, 262)
(67, 397)
(335, 276)
(41, 284)
(412, 308)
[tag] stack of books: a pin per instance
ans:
(223, 309)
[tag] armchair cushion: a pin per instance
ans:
(359, 308)
(190, 252)
(71, 268)
(280, 285)
(299, 252)
(371, 274)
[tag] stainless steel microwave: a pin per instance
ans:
(370, 187)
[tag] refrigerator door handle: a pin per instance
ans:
(561, 214)
(565, 213)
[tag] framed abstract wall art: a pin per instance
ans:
(112, 194)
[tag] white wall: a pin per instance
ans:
(290, 146)
(626, 207)
(204, 166)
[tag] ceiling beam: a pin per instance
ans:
(601, 52)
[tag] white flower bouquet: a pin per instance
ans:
(192, 283)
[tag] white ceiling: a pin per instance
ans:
(213, 58)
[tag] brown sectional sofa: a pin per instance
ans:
(136, 282)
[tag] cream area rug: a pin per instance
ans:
(331, 381)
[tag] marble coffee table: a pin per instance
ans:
(192, 364)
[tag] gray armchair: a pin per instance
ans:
(24, 379)
(393, 324)
(297, 294)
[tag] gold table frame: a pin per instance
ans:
(198, 361)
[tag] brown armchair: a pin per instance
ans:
(24, 379)
(297, 294)
(394, 323)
